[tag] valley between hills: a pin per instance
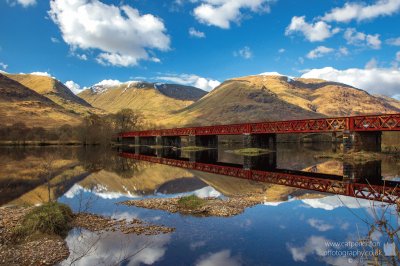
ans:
(46, 102)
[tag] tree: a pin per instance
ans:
(127, 119)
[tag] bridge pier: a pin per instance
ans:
(148, 141)
(366, 141)
(174, 141)
(210, 141)
(266, 141)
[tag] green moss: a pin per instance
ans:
(251, 151)
(191, 202)
(51, 218)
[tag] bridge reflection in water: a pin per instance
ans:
(359, 181)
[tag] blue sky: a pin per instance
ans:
(200, 42)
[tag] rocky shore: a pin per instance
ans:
(43, 249)
(34, 250)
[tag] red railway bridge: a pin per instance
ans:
(359, 132)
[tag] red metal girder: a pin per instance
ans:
(389, 122)
(385, 122)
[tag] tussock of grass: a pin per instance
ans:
(191, 202)
(51, 218)
(194, 148)
(251, 151)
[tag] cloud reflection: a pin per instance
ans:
(113, 248)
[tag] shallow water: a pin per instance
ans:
(292, 226)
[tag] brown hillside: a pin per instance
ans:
(155, 101)
(263, 98)
(55, 91)
(21, 104)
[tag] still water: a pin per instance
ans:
(291, 227)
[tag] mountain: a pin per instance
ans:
(276, 97)
(21, 104)
(154, 100)
(55, 91)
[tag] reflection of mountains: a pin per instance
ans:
(152, 178)
(95, 168)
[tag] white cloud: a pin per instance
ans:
(319, 225)
(313, 32)
(54, 40)
(38, 73)
(359, 11)
(191, 80)
(245, 52)
(107, 83)
(282, 50)
(74, 87)
(3, 65)
(343, 51)
(373, 63)
(398, 56)
(320, 51)
(393, 41)
(81, 56)
(196, 33)
(221, 13)
(121, 33)
(361, 39)
(221, 258)
(376, 80)
(24, 3)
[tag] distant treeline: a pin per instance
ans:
(94, 129)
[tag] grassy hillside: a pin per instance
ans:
(155, 101)
(263, 98)
(55, 91)
(21, 104)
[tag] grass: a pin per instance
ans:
(194, 148)
(191, 202)
(251, 151)
(50, 218)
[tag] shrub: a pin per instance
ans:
(51, 218)
(191, 202)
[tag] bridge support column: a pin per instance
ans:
(366, 141)
(147, 141)
(266, 141)
(210, 141)
(174, 141)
